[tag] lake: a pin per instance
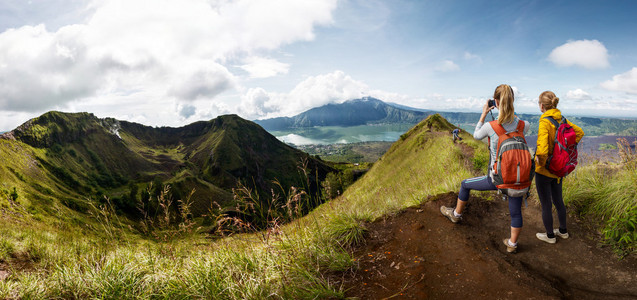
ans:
(589, 146)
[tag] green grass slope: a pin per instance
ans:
(424, 162)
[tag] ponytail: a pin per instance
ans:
(504, 93)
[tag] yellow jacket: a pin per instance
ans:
(546, 137)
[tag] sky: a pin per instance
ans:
(171, 63)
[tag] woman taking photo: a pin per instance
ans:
(503, 97)
(549, 185)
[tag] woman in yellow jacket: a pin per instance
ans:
(548, 185)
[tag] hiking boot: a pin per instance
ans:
(510, 249)
(544, 237)
(448, 212)
(558, 233)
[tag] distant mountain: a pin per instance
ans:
(368, 111)
(363, 111)
(75, 156)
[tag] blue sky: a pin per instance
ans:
(177, 62)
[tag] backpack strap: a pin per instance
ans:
(554, 122)
(501, 132)
(520, 127)
(557, 126)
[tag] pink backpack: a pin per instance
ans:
(563, 160)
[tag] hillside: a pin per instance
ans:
(72, 157)
(383, 238)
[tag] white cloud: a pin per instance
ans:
(206, 81)
(578, 94)
(256, 102)
(589, 54)
(337, 87)
(314, 91)
(447, 66)
(259, 67)
(322, 89)
(173, 50)
(39, 69)
(516, 93)
(472, 57)
(625, 82)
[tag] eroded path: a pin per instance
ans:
(419, 254)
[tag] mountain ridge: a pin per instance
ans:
(81, 156)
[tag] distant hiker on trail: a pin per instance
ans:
(507, 121)
(548, 184)
(455, 135)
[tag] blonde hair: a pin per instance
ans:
(549, 100)
(504, 93)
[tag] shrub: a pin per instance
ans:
(14, 194)
(621, 232)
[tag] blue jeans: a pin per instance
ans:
(484, 183)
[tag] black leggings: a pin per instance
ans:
(549, 190)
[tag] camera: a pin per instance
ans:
(491, 103)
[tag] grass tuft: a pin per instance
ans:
(347, 231)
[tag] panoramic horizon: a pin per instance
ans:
(175, 63)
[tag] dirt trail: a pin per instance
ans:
(419, 254)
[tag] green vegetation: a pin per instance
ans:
(100, 257)
(608, 193)
(173, 254)
(607, 147)
(66, 158)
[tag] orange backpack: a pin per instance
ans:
(514, 168)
